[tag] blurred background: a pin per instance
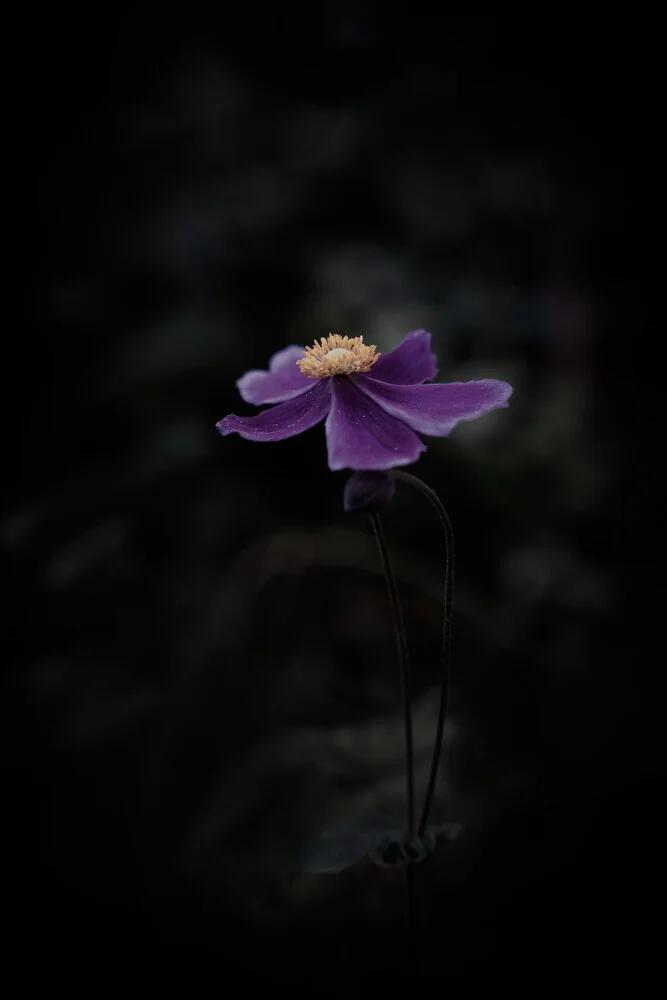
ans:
(207, 678)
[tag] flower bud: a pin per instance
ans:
(368, 491)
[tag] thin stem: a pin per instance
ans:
(445, 656)
(402, 648)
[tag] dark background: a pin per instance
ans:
(206, 672)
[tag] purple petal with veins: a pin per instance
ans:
(435, 409)
(361, 435)
(286, 419)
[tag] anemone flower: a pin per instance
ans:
(376, 405)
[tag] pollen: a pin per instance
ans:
(336, 355)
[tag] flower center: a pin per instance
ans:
(336, 355)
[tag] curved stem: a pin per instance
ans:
(445, 657)
(402, 648)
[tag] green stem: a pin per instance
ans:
(445, 657)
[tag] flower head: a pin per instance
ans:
(375, 405)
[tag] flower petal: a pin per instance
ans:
(435, 409)
(411, 362)
(360, 435)
(282, 381)
(283, 421)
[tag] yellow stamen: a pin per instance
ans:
(337, 355)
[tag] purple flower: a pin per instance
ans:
(375, 405)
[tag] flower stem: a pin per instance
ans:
(445, 656)
(402, 648)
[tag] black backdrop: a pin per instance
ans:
(206, 675)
